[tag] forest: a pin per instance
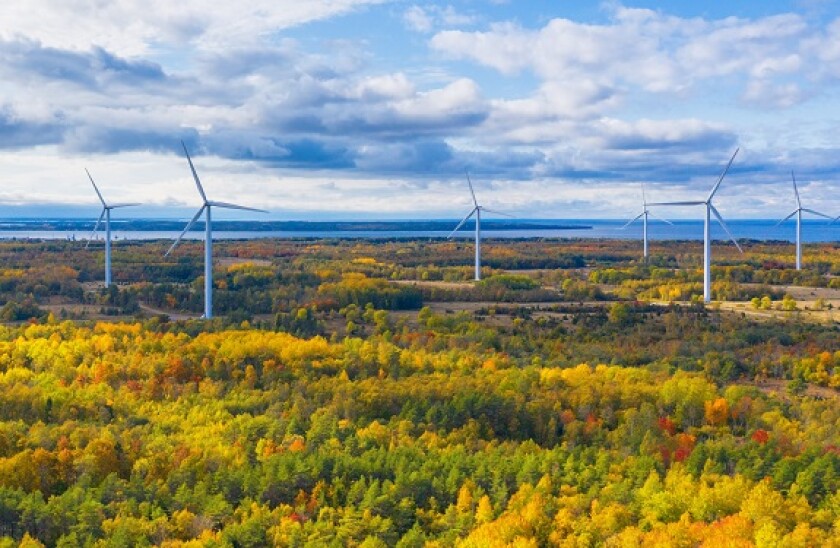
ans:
(368, 393)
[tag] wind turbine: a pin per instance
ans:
(477, 212)
(106, 213)
(798, 212)
(644, 216)
(707, 230)
(208, 235)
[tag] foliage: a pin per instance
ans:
(354, 409)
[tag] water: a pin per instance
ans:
(763, 230)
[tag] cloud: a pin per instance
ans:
(386, 86)
(417, 19)
(505, 47)
(643, 49)
(274, 104)
(566, 105)
(91, 139)
(425, 19)
(94, 69)
(646, 134)
(137, 27)
(17, 132)
(420, 157)
(377, 107)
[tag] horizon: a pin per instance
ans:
(146, 229)
(365, 219)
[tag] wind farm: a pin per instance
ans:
(340, 346)
(475, 213)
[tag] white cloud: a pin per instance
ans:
(765, 93)
(417, 19)
(506, 47)
(460, 96)
(387, 86)
(425, 19)
(135, 27)
(321, 127)
(644, 49)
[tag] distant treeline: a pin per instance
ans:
(288, 226)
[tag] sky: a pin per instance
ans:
(350, 109)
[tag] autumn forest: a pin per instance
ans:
(368, 393)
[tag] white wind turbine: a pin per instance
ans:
(477, 212)
(644, 216)
(798, 212)
(208, 235)
(707, 230)
(106, 213)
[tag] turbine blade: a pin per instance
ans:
(658, 218)
(676, 203)
(186, 228)
(722, 175)
(194, 174)
(786, 218)
(725, 228)
(101, 199)
(95, 227)
(835, 220)
(644, 199)
(464, 220)
(796, 190)
(471, 189)
(633, 220)
(115, 206)
(493, 211)
(234, 206)
(812, 212)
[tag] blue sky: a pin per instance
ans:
(375, 108)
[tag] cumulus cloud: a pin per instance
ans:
(641, 96)
(644, 49)
(17, 132)
(649, 134)
(135, 27)
(25, 59)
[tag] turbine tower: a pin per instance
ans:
(798, 212)
(707, 230)
(106, 213)
(644, 216)
(208, 235)
(477, 212)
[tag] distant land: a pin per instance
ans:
(151, 225)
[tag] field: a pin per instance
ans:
(369, 393)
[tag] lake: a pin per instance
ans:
(764, 230)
